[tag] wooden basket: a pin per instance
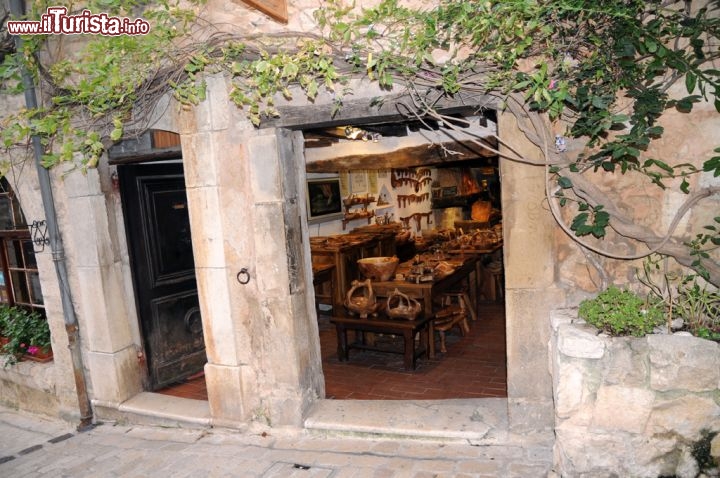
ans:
(360, 298)
(400, 306)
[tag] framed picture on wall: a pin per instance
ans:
(324, 202)
(358, 182)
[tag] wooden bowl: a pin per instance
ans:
(378, 268)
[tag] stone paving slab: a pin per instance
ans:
(110, 450)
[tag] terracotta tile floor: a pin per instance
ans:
(473, 367)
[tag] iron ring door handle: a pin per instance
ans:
(243, 276)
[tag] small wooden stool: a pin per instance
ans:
(452, 315)
(463, 301)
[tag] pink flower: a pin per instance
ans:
(33, 349)
(23, 346)
(552, 84)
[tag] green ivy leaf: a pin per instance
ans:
(565, 182)
(685, 186)
(712, 164)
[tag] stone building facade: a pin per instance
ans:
(245, 189)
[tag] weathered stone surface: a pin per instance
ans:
(622, 408)
(625, 362)
(528, 244)
(527, 340)
(569, 390)
(632, 427)
(115, 377)
(678, 362)
(563, 316)
(589, 455)
(199, 173)
(208, 240)
(265, 173)
(687, 465)
(715, 448)
(577, 342)
(684, 416)
(227, 392)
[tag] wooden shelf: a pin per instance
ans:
(455, 201)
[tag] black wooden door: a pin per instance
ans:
(158, 232)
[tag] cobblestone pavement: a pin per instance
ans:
(32, 446)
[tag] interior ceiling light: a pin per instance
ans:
(360, 134)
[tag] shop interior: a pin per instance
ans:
(405, 226)
(405, 231)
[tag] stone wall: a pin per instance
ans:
(627, 406)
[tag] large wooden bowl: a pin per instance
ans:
(378, 268)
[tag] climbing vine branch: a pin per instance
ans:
(602, 74)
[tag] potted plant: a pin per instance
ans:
(4, 317)
(27, 333)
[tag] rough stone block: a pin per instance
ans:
(530, 416)
(527, 339)
(207, 229)
(580, 453)
(569, 389)
(195, 148)
(114, 377)
(715, 448)
(622, 408)
(77, 183)
(87, 224)
(626, 364)
(270, 250)
(217, 316)
(226, 392)
(683, 363)
(580, 343)
(562, 316)
(685, 416)
(264, 168)
(217, 96)
(101, 309)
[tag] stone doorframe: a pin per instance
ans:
(245, 191)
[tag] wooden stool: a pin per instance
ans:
(462, 300)
(449, 317)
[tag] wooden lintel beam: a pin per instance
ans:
(415, 156)
(364, 111)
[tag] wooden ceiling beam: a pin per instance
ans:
(412, 156)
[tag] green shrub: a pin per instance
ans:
(699, 308)
(622, 312)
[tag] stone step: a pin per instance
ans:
(155, 409)
(473, 421)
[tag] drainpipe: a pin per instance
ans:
(56, 245)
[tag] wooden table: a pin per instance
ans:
(343, 252)
(480, 253)
(425, 292)
(405, 328)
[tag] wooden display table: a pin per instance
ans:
(407, 329)
(426, 292)
(343, 252)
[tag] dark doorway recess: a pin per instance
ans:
(163, 270)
